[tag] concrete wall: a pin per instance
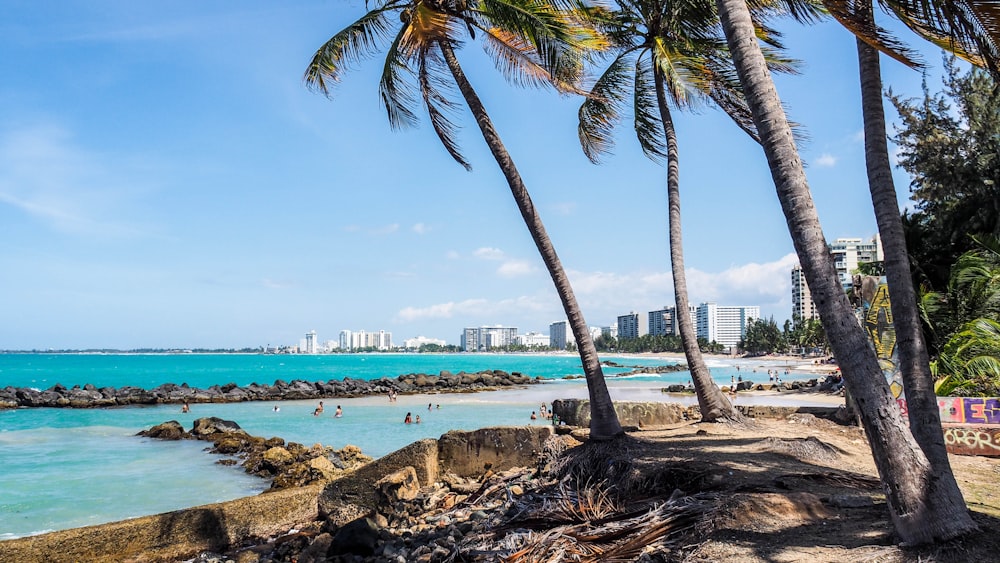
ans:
(172, 535)
(576, 412)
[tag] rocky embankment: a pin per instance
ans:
(286, 464)
(90, 396)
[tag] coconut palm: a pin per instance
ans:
(666, 52)
(533, 43)
(924, 504)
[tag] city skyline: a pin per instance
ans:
(217, 203)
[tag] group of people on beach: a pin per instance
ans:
(545, 413)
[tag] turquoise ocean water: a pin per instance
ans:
(64, 468)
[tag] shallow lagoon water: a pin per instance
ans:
(65, 468)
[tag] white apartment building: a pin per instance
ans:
(724, 324)
(360, 340)
(610, 331)
(803, 306)
(417, 342)
(560, 335)
(849, 252)
(533, 340)
(631, 325)
(485, 338)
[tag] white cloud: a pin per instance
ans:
(421, 228)
(515, 268)
(826, 160)
(442, 310)
(452, 255)
(487, 253)
(478, 311)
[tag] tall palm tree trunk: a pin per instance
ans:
(714, 406)
(914, 364)
(921, 509)
(604, 424)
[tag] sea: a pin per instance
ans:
(66, 468)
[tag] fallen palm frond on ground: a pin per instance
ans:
(569, 522)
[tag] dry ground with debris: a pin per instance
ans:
(803, 490)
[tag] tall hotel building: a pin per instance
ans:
(485, 338)
(802, 303)
(631, 325)
(664, 321)
(361, 339)
(724, 324)
(560, 335)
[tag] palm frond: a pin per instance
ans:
(856, 16)
(433, 81)
(967, 28)
(395, 86)
(601, 111)
(518, 62)
(646, 112)
(356, 42)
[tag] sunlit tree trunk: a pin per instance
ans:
(604, 424)
(921, 509)
(914, 363)
(712, 403)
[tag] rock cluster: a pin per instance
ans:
(170, 393)
(286, 464)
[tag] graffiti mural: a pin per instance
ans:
(969, 410)
(872, 294)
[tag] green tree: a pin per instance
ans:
(533, 43)
(924, 504)
(666, 52)
(950, 145)
(762, 336)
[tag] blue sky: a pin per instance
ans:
(167, 180)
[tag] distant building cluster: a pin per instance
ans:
(722, 324)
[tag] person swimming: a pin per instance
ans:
(408, 419)
(418, 419)
(319, 409)
(339, 413)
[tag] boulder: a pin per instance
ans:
(358, 538)
(214, 425)
(399, 485)
(171, 430)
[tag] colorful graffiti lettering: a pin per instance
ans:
(974, 441)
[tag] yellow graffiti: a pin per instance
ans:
(878, 325)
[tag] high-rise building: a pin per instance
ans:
(803, 307)
(417, 342)
(310, 347)
(487, 338)
(560, 335)
(664, 321)
(631, 325)
(849, 252)
(364, 340)
(724, 324)
(533, 340)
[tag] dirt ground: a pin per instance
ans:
(804, 490)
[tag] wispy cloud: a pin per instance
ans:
(476, 309)
(385, 230)
(452, 255)
(421, 228)
(515, 268)
(487, 253)
(826, 160)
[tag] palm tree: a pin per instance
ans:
(533, 43)
(924, 505)
(665, 48)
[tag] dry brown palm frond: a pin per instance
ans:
(810, 448)
(838, 478)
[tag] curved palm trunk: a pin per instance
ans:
(921, 509)
(918, 383)
(604, 423)
(714, 406)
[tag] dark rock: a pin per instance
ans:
(358, 537)
(171, 430)
(214, 425)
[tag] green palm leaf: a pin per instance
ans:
(646, 112)
(433, 82)
(356, 42)
(601, 112)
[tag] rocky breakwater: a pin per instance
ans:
(286, 464)
(89, 396)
